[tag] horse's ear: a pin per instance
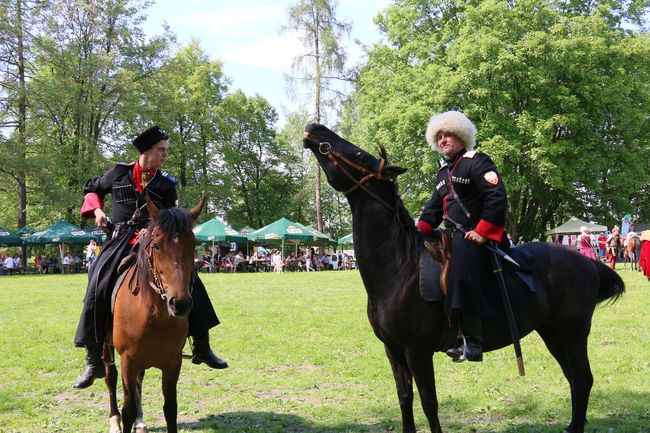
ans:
(393, 171)
(152, 208)
(196, 210)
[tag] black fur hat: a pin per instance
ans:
(148, 138)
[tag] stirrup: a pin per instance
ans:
(456, 351)
(461, 351)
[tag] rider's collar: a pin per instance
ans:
(455, 158)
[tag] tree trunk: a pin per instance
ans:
(22, 122)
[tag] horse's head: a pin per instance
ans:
(169, 254)
(347, 166)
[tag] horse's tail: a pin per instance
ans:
(611, 285)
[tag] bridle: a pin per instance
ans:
(157, 284)
(325, 148)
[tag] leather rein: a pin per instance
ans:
(156, 284)
(325, 148)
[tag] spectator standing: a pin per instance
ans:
(644, 256)
(585, 243)
(602, 245)
(91, 253)
(276, 262)
(613, 246)
(38, 264)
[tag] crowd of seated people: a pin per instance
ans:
(10, 265)
(263, 260)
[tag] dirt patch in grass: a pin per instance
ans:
(317, 395)
(295, 368)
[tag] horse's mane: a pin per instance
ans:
(171, 222)
(404, 242)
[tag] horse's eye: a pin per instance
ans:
(358, 154)
(156, 247)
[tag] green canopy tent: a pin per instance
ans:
(213, 231)
(99, 234)
(572, 226)
(61, 233)
(281, 231)
(246, 230)
(321, 238)
(8, 239)
(346, 240)
(26, 231)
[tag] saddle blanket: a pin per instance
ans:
(520, 283)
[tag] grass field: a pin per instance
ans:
(303, 359)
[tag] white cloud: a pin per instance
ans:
(245, 35)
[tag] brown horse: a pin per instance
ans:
(150, 315)
(568, 286)
(631, 253)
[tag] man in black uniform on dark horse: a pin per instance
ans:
(129, 186)
(468, 192)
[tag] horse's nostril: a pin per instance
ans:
(180, 307)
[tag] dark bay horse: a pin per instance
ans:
(412, 330)
(150, 315)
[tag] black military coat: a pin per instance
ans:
(469, 190)
(119, 182)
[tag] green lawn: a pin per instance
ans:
(303, 359)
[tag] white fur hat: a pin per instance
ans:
(454, 122)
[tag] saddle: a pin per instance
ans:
(436, 255)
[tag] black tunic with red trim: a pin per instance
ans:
(121, 184)
(479, 204)
(127, 195)
(477, 183)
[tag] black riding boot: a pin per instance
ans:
(473, 331)
(456, 351)
(201, 353)
(94, 367)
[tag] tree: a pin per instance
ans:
(316, 24)
(17, 18)
(90, 60)
(556, 90)
(259, 174)
(185, 98)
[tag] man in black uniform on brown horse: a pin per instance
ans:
(469, 192)
(129, 186)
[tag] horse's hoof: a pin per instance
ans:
(115, 423)
(140, 428)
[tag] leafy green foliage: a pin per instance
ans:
(258, 172)
(559, 94)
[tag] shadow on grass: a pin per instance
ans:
(270, 422)
(611, 412)
(618, 412)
